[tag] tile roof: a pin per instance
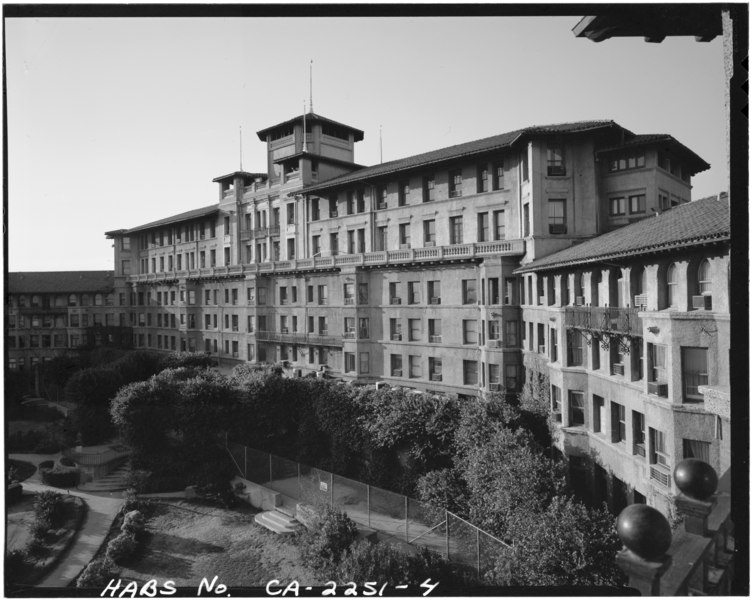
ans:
(504, 140)
(655, 138)
(29, 282)
(186, 216)
(313, 117)
(698, 222)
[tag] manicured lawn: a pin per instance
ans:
(23, 469)
(188, 542)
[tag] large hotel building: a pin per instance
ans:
(569, 253)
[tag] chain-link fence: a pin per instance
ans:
(391, 514)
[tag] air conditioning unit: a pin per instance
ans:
(557, 417)
(398, 373)
(350, 335)
(659, 475)
(435, 339)
(618, 369)
(429, 244)
(436, 300)
(350, 301)
(657, 388)
(397, 337)
(558, 228)
(492, 344)
(395, 301)
(382, 206)
(333, 213)
(579, 301)
(284, 330)
(495, 387)
(542, 300)
(641, 301)
(542, 349)
(702, 302)
(436, 377)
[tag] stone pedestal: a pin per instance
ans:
(643, 575)
(696, 513)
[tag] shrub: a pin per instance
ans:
(97, 574)
(133, 522)
(47, 464)
(62, 477)
(67, 462)
(49, 508)
(121, 548)
(373, 562)
(14, 492)
(323, 547)
(38, 530)
(17, 562)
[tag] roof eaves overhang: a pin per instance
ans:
(714, 239)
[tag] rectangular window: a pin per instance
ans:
(511, 333)
(470, 331)
(396, 330)
(434, 292)
(555, 160)
(499, 224)
(617, 206)
(414, 364)
(456, 230)
(430, 233)
(262, 296)
(696, 449)
(637, 203)
(553, 345)
(574, 348)
(557, 218)
(435, 369)
(323, 326)
(414, 330)
(350, 362)
(639, 434)
(526, 220)
(498, 175)
(576, 409)
(349, 293)
(333, 244)
(283, 295)
(396, 365)
(657, 448)
(363, 328)
(511, 378)
(414, 292)
(483, 227)
(316, 245)
(428, 189)
(360, 202)
(381, 197)
(363, 362)
(657, 363)
(599, 415)
(482, 179)
(468, 287)
(694, 373)
(350, 203)
(380, 242)
(394, 294)
(470, 372)
(435, 331)
(455, 183)
(618, 423)
(361, 240)
(403, 193)
(315, 209)
(404, 235)
(322, 294)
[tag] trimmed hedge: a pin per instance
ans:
(97, 574)
(121, 548)
(59, 476)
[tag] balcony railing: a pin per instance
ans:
(607, 319)
(309, 339)
(385, 257)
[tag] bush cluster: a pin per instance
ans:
(49, 513)
(323, 546)
(121, 548)
(97, 574)
(59, 476)
(133, 523)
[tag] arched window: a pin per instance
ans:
(642, 281)
(704, 278)
(672, 299)
(72, 300)
(97, 299)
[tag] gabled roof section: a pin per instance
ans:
(245, 174)
(670, 143)
(186, 216)
(693, 223)
(496, 142)
(311, 117)
(44, 282)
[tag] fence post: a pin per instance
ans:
(406, 520)
(478, 554)
(447, 533)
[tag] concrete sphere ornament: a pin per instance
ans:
(645, 531)
(696, 479)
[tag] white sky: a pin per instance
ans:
(113, 123)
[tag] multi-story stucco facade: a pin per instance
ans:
(52, 313)
(422, 272)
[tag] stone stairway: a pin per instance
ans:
(114, 481)
(278, 522)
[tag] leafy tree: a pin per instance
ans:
(444, 489)
(91, 390)
(565, 544)
(323, 546)
(194, 360)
